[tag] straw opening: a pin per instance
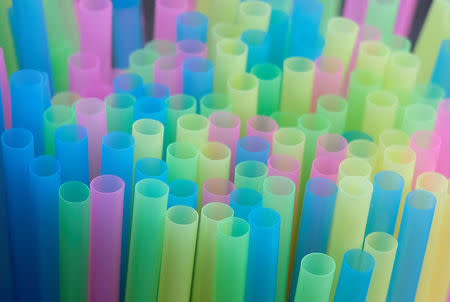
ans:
(330, 64)
(152, 188)
(71, 133)
(299, 65)
(151, 167)
(58, 114)
(400, 155)
(65, 98)
(120, 100)
(359, 260)
(432, 182)
(218, 186)
(375, 48)
(389, 181)
(342, 25)
(162, 47)
(283, 163)
(180, 102)
(107, 184)
(148, 127)
(198, 64)
(232, 47)
(243, 82)
(381, 242)
(44, 166)
(251, 169)
(215, 151)
(421, 200)
(318, 264)
(263, 123)
(264, 217)
(382, 98)
(182, 188)
(405, 60)
(143, 57)
(279, 185)
(321, 187)
(253, 144)
(234, 227)
(27, 77)
(118, 140)
(255, 8)
(193, 122)
(193, 19)
(74, 191)
(332, 142)
(90, 106)
(289, 136)
(217, 211)
(182, 150)
(314, 122)
(355, 186)
(332, 103)
(266, 71)
(246, 197)
(222, 119)
(191, 46)
(182, 215)
(17, 138)
(362, 148)
(355, 166)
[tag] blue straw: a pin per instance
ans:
(117, 159)
(258, 43)
(386, 196)
(354, 279)
(198, 78)
(150, 167)
(192, 26)
(183, 192)
(278, 31)
(354, 135)
(263, 255)
(120, 112)
(252, 148)
(309, 46)
(130, 83)
(44, 182)
(150, 108)
(243, 201)
(441, 73)
(412, 244)
(315, 225)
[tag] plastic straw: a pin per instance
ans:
(382, 15)
(149, 215)
(429, 94)
(352, 135)
(211, 215)
(334, 108)
(222, 11)
(154, 105)
(252, 148)
(315, 279)
(250, 174)
(418, 117)
(374, 56)
(441, 128)
(279, 194)
(263, 254)
(141, 62)
(214, 102)
(289, 141)
(148, 137)
(258, 43)
(4, 89)
(355, 276)
(427, 146)
(182, 192)
(74, 203)
(128, 83)
(105, 237)
(217, 190)
(231, 260)
(315, 225)
(347, 232)
(244, 201)
(161, 47)
(328, 78)
(269, 80)
(231, 59)
(166, 13)
(405, 16)
(189, 49)
(356, 10)
(119, 112)
(399, 43)
(55, 117)
(182, 160)
(355, 166)
(285, 119)
(65, 98)
(221, 31)
(284, 5)
(9, 62)
(198, 77)
(192, 26)
(254, 15)
(193, 129)
(177, 106)
(284, 165)
(95, 19)
(364, 149)
(380, 111)
(325, 167)
(440, 74)
(297, 98)
(332, 145)
(261, 126)
(362, 84)
(150, 167)
(180, 236)
(278, 31)
(84, 74)
(167, 71)
(412, 243)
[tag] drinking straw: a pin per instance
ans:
(252, 148)
(177, 106)
(334, 108)
(355, 276)
(96, 23)
(243, 87)
(328, 78)
(127, 30)
(190, 48)
(144, 264)
(161, 47)
(177, 263)
(427, 146)
(141, 62)
(311, 47)
(29, 85)
(269, 87)
(262, 254)
(340, 40)
(91, 114)
(250, 174)
(230, 59)
(279, 194)
(355, 166)
(278, 31)
(365, 149)
(166, 13)
(382, 247)
(352, 135)
(258, 43)
(217, 33)
(221, 11)
(440, 128)
(440, 74)
(71, 150)
(284, 165)
(325, 167)
(198, 77)
(230, 268)
(74, 203)
(148, 136)
(217, 190)
(84, 74)
(283, 5)
(128, 83)
(412, 243)
(18, 152)
(150, 167)
(4, 88)
(399, 43)
(182, 192)
(213, 162)
(285, 119)
(347, 231)
(205, 256)
(182, 161)
(315, 225)
(244, 201)
(315, 279)
(192, 25)
(154, 108)
(297, 98)
(390, 137)
(305, 25)
(362, 84)
(254, 15)
(214, 102)
(428, 93)
(418, 117)
(332, 145)
(105, 235)
(119, 112)
(166, 71)
(405, 16)
(65, 98)
(55, 117)
(355, 10)
(382, 15)
(438, 185)
(261, 126)
(379, 112)
(8, 62)
(193, 128)
(44, 178)
(374, 56)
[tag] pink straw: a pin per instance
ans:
(190, 48)
(105, 235)
(91, 114)
(325, 167)
(284, 165)
(6, 96)
(327, 78)
(84, 75)
(333, 146)
(168, 72)
(262, 126)
(95, 18)
(441, 129)
(427, 146)
(356, 10)
(217, 190)
(166, 13)
(405, 16)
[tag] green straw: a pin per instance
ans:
(73, 241)
(214, 102)
(148, 139)
(331, 8)
(374, 56)
(356, 167)
(55, 117)
(334, 108)
(294, 97)
(428, 93)
(418, 117)
(223, 11)
(286, 119)
(387, 138)
(221, 31)
(177, 106)
(382, 15)
(182, 161)
(205, 256)
(364, 149)
(269, 79)
(65, 98)
(119, 112)
(250, 174)
(141, 63)
(290, 141)
(177, 263)
(254, 15)
(193, 129)
(399, 43)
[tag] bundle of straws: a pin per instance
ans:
(219, 150)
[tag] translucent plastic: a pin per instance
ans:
(382, 15)
(442, 123)
(84, 74)
(193, 129)
(418, 117)
(269, 88)
(252, 148)
(325, 167)
(177, 106)
(217, 190)
(290, 141)
(183, 192)
(182, 160)
(166, 13)
(150, 167)
(197, 77)
(54, 117)
(192, 25)
(141, 62)
(334, 108)
(328, 78)
(379, 113)
(258, 43)
(148, 136)
(427, 146)
(278, 31)
(364, 149)
(220, 31)
(440, 73)
(119, 112)
(374, 56)
(250, 174)
(387, 138)
(214, 102)
(65, 98)
(254, 15)
(244, 201)
(167, 71)
(130, 83)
